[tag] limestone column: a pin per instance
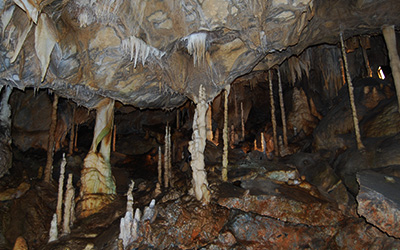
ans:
(273, 118)
(97, 182)
(50, 146)
(196, 148)
(225, 138)
(351, 94)
(390, 38)
(285, 140)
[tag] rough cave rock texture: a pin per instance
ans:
(154, 54)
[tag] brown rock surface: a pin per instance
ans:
(378, 201)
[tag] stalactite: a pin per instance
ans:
(285, 140)
(69, 207)
(242, 120)
(139, 50)
(196, 46)
(169, 157)
(76, 137)
(351, 94)
(178, 119)
(273, 119)
(363, 42)
(225, 138)
(72, 134)
(209, 124)
(232, 136)
(60, 190)
(114, 138)
(50, 148)
(196, 148)
(390, 39)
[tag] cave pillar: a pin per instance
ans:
(390, 39)
(97, 182)
(360, 145)
(196, 148)
(273, 118)
(225, 138)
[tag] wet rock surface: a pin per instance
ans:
(378, 200)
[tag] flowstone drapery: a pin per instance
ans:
(97, 182)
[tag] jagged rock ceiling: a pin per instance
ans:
(156, 54)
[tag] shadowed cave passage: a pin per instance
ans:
(138, 97)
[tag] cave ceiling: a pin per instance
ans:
(157, 53)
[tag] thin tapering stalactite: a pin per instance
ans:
(159, 166)
(72, 134)
(50, 146)
(363, 43)
(114, 138)
(225, 138)
(283, 116)
(351, 94)
(390, 38)
(273, 118)
(166, 174)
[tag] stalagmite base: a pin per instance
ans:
(196, 148)
(97, 182)
(390, 39)
(225, 138)
(273, 118)
(69, 207)
(50, 146)
(351, 94)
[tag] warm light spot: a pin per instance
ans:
(381, 75)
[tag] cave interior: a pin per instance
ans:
(199, 124)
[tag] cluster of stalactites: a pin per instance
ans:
(196, 46)
(92, 11)
(140, 51)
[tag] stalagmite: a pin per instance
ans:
(285, 141)
(69, 207)
(61, 190)
(127, 222)
(159, 168)
(166, 159)
(97, 182)
(53, 232)
(242, 120)
(149, 212)
(225, 138)
(209, 124)
(196, 148)
(390, 39)
(351, 94)
(263, 144)
(50, 148)
(364, 42)
(273, 119)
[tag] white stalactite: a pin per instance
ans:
(196, 46)
(140, 51)
(390, 38)
(196, 148)
(61, 190)
(225, 138)
(273, 118)
(53, 233)
(351, 95)
(69, 207)
(166, 160)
